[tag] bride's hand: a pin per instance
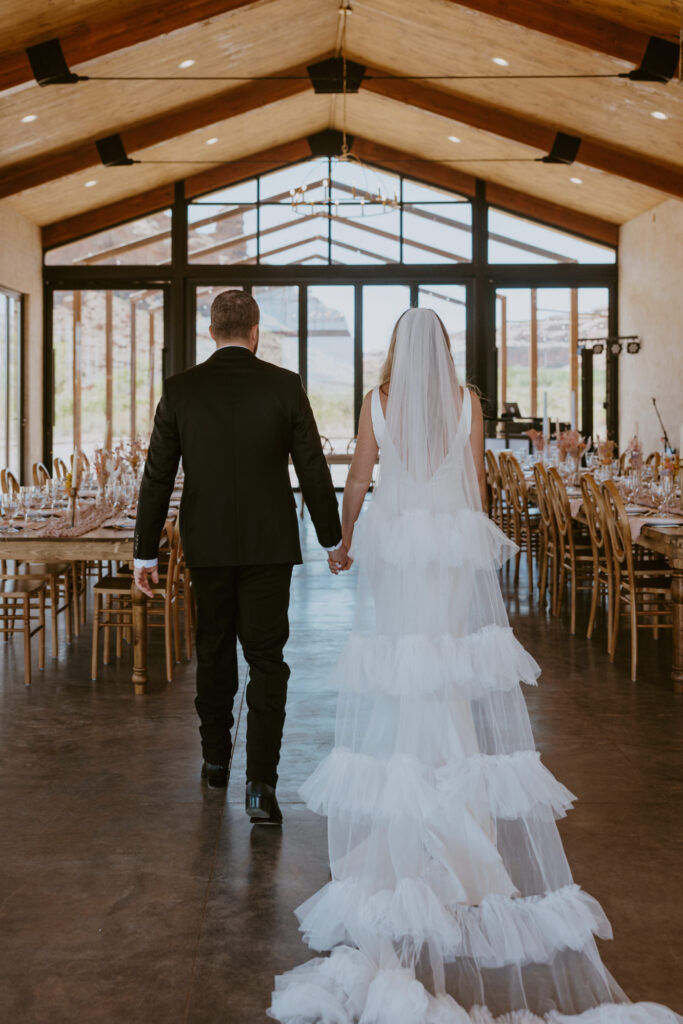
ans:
(339, 560)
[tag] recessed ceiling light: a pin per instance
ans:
(453, 138)
(577, 181)
(500, 61)
(212, 142)
(660, 115)
(89, 184)
(29, 118)
(186, 64)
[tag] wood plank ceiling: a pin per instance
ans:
(629, 161)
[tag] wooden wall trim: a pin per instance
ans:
(593, 153)
(97, 38)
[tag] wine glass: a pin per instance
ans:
(10, 508)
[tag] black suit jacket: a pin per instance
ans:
(234, 420)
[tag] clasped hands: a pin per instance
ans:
(339, 560)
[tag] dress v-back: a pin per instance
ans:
(379, 422)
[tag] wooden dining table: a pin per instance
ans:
(104, 543)
(668, 542)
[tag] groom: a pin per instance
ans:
(235, 420)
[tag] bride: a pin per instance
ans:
(451, 900)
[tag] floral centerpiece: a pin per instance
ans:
(537, 439)
(570, 443)
(635, 453)
(103, 466)
(605, 452)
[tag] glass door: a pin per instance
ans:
(330, 361)
(539, 332)
(10, 382)
(108, 366)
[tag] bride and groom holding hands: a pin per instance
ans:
(451, 900)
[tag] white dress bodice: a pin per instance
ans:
(378, 421)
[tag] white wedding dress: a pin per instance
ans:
(451, 900)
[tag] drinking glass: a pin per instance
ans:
(10, 508)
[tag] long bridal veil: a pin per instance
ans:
(451, 900)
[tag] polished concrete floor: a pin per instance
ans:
(129, 893)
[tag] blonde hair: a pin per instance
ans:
(385, 372)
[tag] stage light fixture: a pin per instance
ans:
(632, 347)
(48, 64)
(563, 151)
(112, 152)
(615, 348)
(329, 142)
(659, 62)
(327, 76)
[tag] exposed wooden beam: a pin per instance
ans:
(510, 199)
(72, 228)
(399, 161)
(573, 26)
(593, 153)
(93, 39)
(525, 205)
(260, 163)
(221, 107)
(103, 217)
(402, 162)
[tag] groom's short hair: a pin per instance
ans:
(233, 314)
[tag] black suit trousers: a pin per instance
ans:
(249, 603)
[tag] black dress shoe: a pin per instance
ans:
(216, 775)
(261, 804)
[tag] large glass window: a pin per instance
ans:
(108, 356)
(538, 335)
(146, 241)
(331, 361)
(10, 381)
(450, 302)
(517, 240)
(382, 306)
(330, 212)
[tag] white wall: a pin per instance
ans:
(21, 261)
(651, 306)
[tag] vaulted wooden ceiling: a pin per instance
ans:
(628, 162)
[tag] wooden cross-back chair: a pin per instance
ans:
(113, 609)
(40, 474)
(22, 610)
(525, 517)
(8, 482)
(496, 489)
(594, 508)
(642, 589)
(548, 552)
(575, 561)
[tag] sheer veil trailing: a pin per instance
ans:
(451, 900)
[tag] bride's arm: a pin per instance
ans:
(477, 446)
(360, 472)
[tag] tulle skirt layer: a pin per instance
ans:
(451, 900)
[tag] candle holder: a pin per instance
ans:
(72, 494)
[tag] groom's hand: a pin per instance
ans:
(339, 560)
(142, 578)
